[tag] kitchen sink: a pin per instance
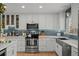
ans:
(62, 38)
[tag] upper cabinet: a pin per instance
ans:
(17, 21)
(7, 19)
(12, 19)
(3, 21)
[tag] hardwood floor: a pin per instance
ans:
(36, 54)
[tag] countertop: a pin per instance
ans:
(71, 42)
(5, 45)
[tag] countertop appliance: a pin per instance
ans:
(32, 37)
(3, 52)
(66, 49)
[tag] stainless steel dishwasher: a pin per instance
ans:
(66, 49)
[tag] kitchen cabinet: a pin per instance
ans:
(17, 21)
(58, 49)
(7, 19)
(42, 22)
(10, 20)
(47, 44)
(20, 44)
(74, 51)
(51, 44)
(42, 45)
(11, 50)
(3, 21)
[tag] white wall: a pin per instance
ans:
(45, 21)
(74, 14)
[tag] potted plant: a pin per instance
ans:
(2, 10)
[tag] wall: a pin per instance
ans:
(74, 15)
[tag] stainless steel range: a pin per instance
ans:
(32, 38)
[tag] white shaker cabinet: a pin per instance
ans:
(58, 49)
(51, 44)
(20, 44)
(11, 50)
(42, 45)
(47, 44)
(74, 51)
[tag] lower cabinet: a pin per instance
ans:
(58, 49)
(51, 44)
(46, 45)
(74, 51)
(11, 50)
(20, 44)
(42, 45)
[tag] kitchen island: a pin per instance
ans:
(10, 48)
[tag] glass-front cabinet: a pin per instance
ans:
(17, 21)
(12, 19)
(3, 21)
(9, 20)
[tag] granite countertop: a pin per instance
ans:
(5, 45)
(69, 41)
(73, 43)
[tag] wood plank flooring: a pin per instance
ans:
(36, 54)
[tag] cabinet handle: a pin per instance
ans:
(57, 46)
(12, 52)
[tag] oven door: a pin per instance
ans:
(31, 42)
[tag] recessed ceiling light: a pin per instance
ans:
(23, 6)
(40, 6)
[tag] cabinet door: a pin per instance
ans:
(20, 44)
(17, 21)
(50, 44)
(74, 51)
(42, 45)
(58, 49)
(11, 50)
(42, 22)
(3, 21)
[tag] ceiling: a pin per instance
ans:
(34, 7)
